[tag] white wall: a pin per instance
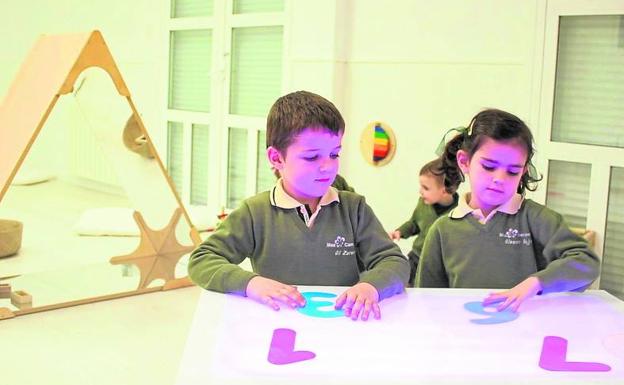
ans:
(422, 67)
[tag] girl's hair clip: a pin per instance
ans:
(460, 130)
(532, 171)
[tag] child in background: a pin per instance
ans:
(303, 231)
(495, 238)
(435, 200)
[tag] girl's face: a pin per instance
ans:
(494, 171)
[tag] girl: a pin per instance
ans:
(495, 238)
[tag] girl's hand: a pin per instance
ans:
(270, 292)
(395, 235)
(514, 297)
(359, 300)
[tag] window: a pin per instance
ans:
(581, 124)
(199, 164)
(174, 151)
(255, 6)
(256, 72)
(265, 177)
(237, 166)
(568, 191)
(225, 70)
(588, 85)
(189, 76)
(190, 8)
(613, 260)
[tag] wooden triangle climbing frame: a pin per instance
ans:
(50, 71)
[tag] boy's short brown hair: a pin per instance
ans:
(296, 111)
(434, 168)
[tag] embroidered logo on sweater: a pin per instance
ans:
(342, 246)
(515, 237)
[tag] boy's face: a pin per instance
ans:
(310, 164)
(431, 190)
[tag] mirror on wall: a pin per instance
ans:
(90, 213)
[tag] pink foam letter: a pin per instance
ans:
(282, 350)
(554, 351)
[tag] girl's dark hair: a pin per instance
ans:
(497, 125)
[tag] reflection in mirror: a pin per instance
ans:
(89, 169)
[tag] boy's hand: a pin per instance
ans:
(359, 299)
(270, 292)
(514, 297)
(395, 235)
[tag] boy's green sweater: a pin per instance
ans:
(463, 253)
(422, 219)
(345, 237)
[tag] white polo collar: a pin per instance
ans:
(463, 208)
(280, 198)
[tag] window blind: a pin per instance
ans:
(175, 154)
(191, 8)
(568, 191)
(612, 276)
(265, 179)
(589, 88)
(256, 69)
(199, 164)
(189, 73)
(237, 166)
(253, 6)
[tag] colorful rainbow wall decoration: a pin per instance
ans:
(381, 147)
(378, 143)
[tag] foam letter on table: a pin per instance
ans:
(282, 350)
(553, 357)
(313, 304)
(494, 316)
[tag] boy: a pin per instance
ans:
(435, 200)
(303, 231)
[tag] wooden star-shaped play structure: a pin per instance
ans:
(158, 253)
